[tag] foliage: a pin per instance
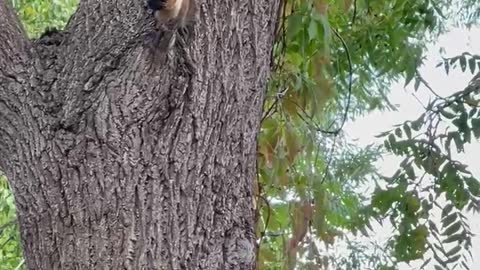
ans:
(316, 199)
(10, 250)
(37, 15)
(429, 173)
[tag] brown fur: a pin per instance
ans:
(175, 14)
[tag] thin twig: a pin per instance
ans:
(354, 16)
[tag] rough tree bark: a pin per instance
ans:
(118, 163)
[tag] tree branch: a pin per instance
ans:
(14, 49)
(15, 70)
(14, 40)
(103, 38)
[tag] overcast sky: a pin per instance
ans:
(364, 129)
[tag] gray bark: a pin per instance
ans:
(118, 162)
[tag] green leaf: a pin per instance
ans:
(416, 84)
(312, 30)
(463, 63)
(476, 127)
(391, 139)
(417, 124)
(453, 259)
(447, 67)
(472, 65)
(454, 250)
(453, 60)
(454, 238)
(461, 122)
(446, 210)
(452, 229)
(427, 261)
(473, 186)
(407, 130)
(472, 112)
(410, 73)
(398, 132)
(449, 219)
(383, 134)
(410, 172)
(446, 114)
(458, 142)
(439, 260)
(295, 22)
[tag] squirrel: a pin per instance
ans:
(172, 17)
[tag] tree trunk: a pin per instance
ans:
(120, 162)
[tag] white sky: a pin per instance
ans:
(364, 129)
